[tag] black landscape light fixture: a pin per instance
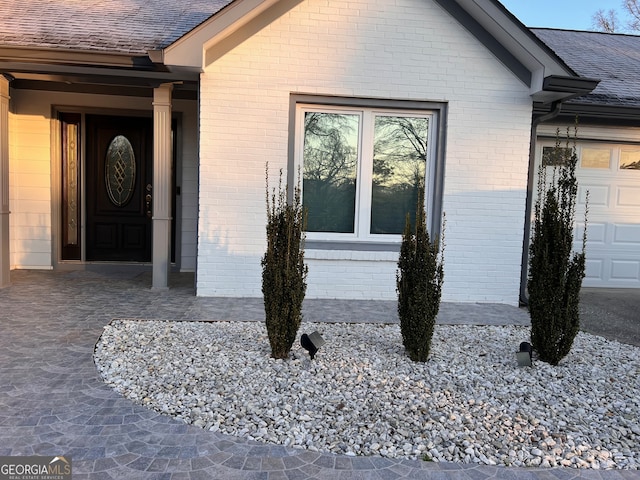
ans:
(525, 355)
(311, 343)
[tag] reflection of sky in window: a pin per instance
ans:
(400, 149)
(595, 158)
(330, 146)
(330, 166)
(379, 155)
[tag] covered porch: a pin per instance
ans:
(70, 196)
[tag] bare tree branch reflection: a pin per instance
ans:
(400, 156)
(330, 169)
(330, 158)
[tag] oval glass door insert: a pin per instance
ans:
(120, 171)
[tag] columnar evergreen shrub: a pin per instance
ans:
(419, 281)
(284, 272)
(555, 273)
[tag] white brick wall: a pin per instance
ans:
(409, 49)
(188, 182)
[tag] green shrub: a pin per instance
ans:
(284, 272)
(419, 281)
(555, 273)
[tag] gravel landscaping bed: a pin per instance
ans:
(362, 395)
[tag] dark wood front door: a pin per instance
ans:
(118, 188)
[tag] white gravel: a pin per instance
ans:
(363, 396)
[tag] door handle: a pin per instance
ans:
(148, 199)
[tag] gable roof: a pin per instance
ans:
(489, 21)
(142, 43)
(614, 59)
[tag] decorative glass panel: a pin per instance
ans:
(120, 171)
(595, 158)
(71, 184)
(630, 160)
(70, 204)
(330, 161)
(399, 161)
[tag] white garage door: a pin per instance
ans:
(611, 175)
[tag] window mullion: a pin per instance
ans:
(366, 172)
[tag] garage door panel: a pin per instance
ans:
(628, 196)
(610, 173)
(596, 234)
(607, 267)
(625, 271)
(598, 195)
(626, 234)
(603, 271)
(613, 229)
(594, 271)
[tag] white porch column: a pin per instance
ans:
(162, 163)
(4, 182)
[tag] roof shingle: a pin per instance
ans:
(115, 26)
(614, 59)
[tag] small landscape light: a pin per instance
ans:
(311, 343)
(525, 355)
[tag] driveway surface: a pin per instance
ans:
(53, 402)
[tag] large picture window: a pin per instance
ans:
(362, 168)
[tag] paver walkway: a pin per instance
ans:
(53, 402)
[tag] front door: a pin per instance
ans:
(119, 160)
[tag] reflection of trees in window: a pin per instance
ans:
(556, 156)
(631, 166)
(330, 160)
(630, 161)
(399, 161)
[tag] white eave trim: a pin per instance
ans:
(515, 38)
(521, 49)
(189, 51)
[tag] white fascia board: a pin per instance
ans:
(518, 40)
(188, 51)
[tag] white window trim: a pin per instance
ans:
(362, 220)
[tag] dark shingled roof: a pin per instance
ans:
(614, 59)
(114, 26)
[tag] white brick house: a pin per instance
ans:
(359, 51)
(252, 73)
